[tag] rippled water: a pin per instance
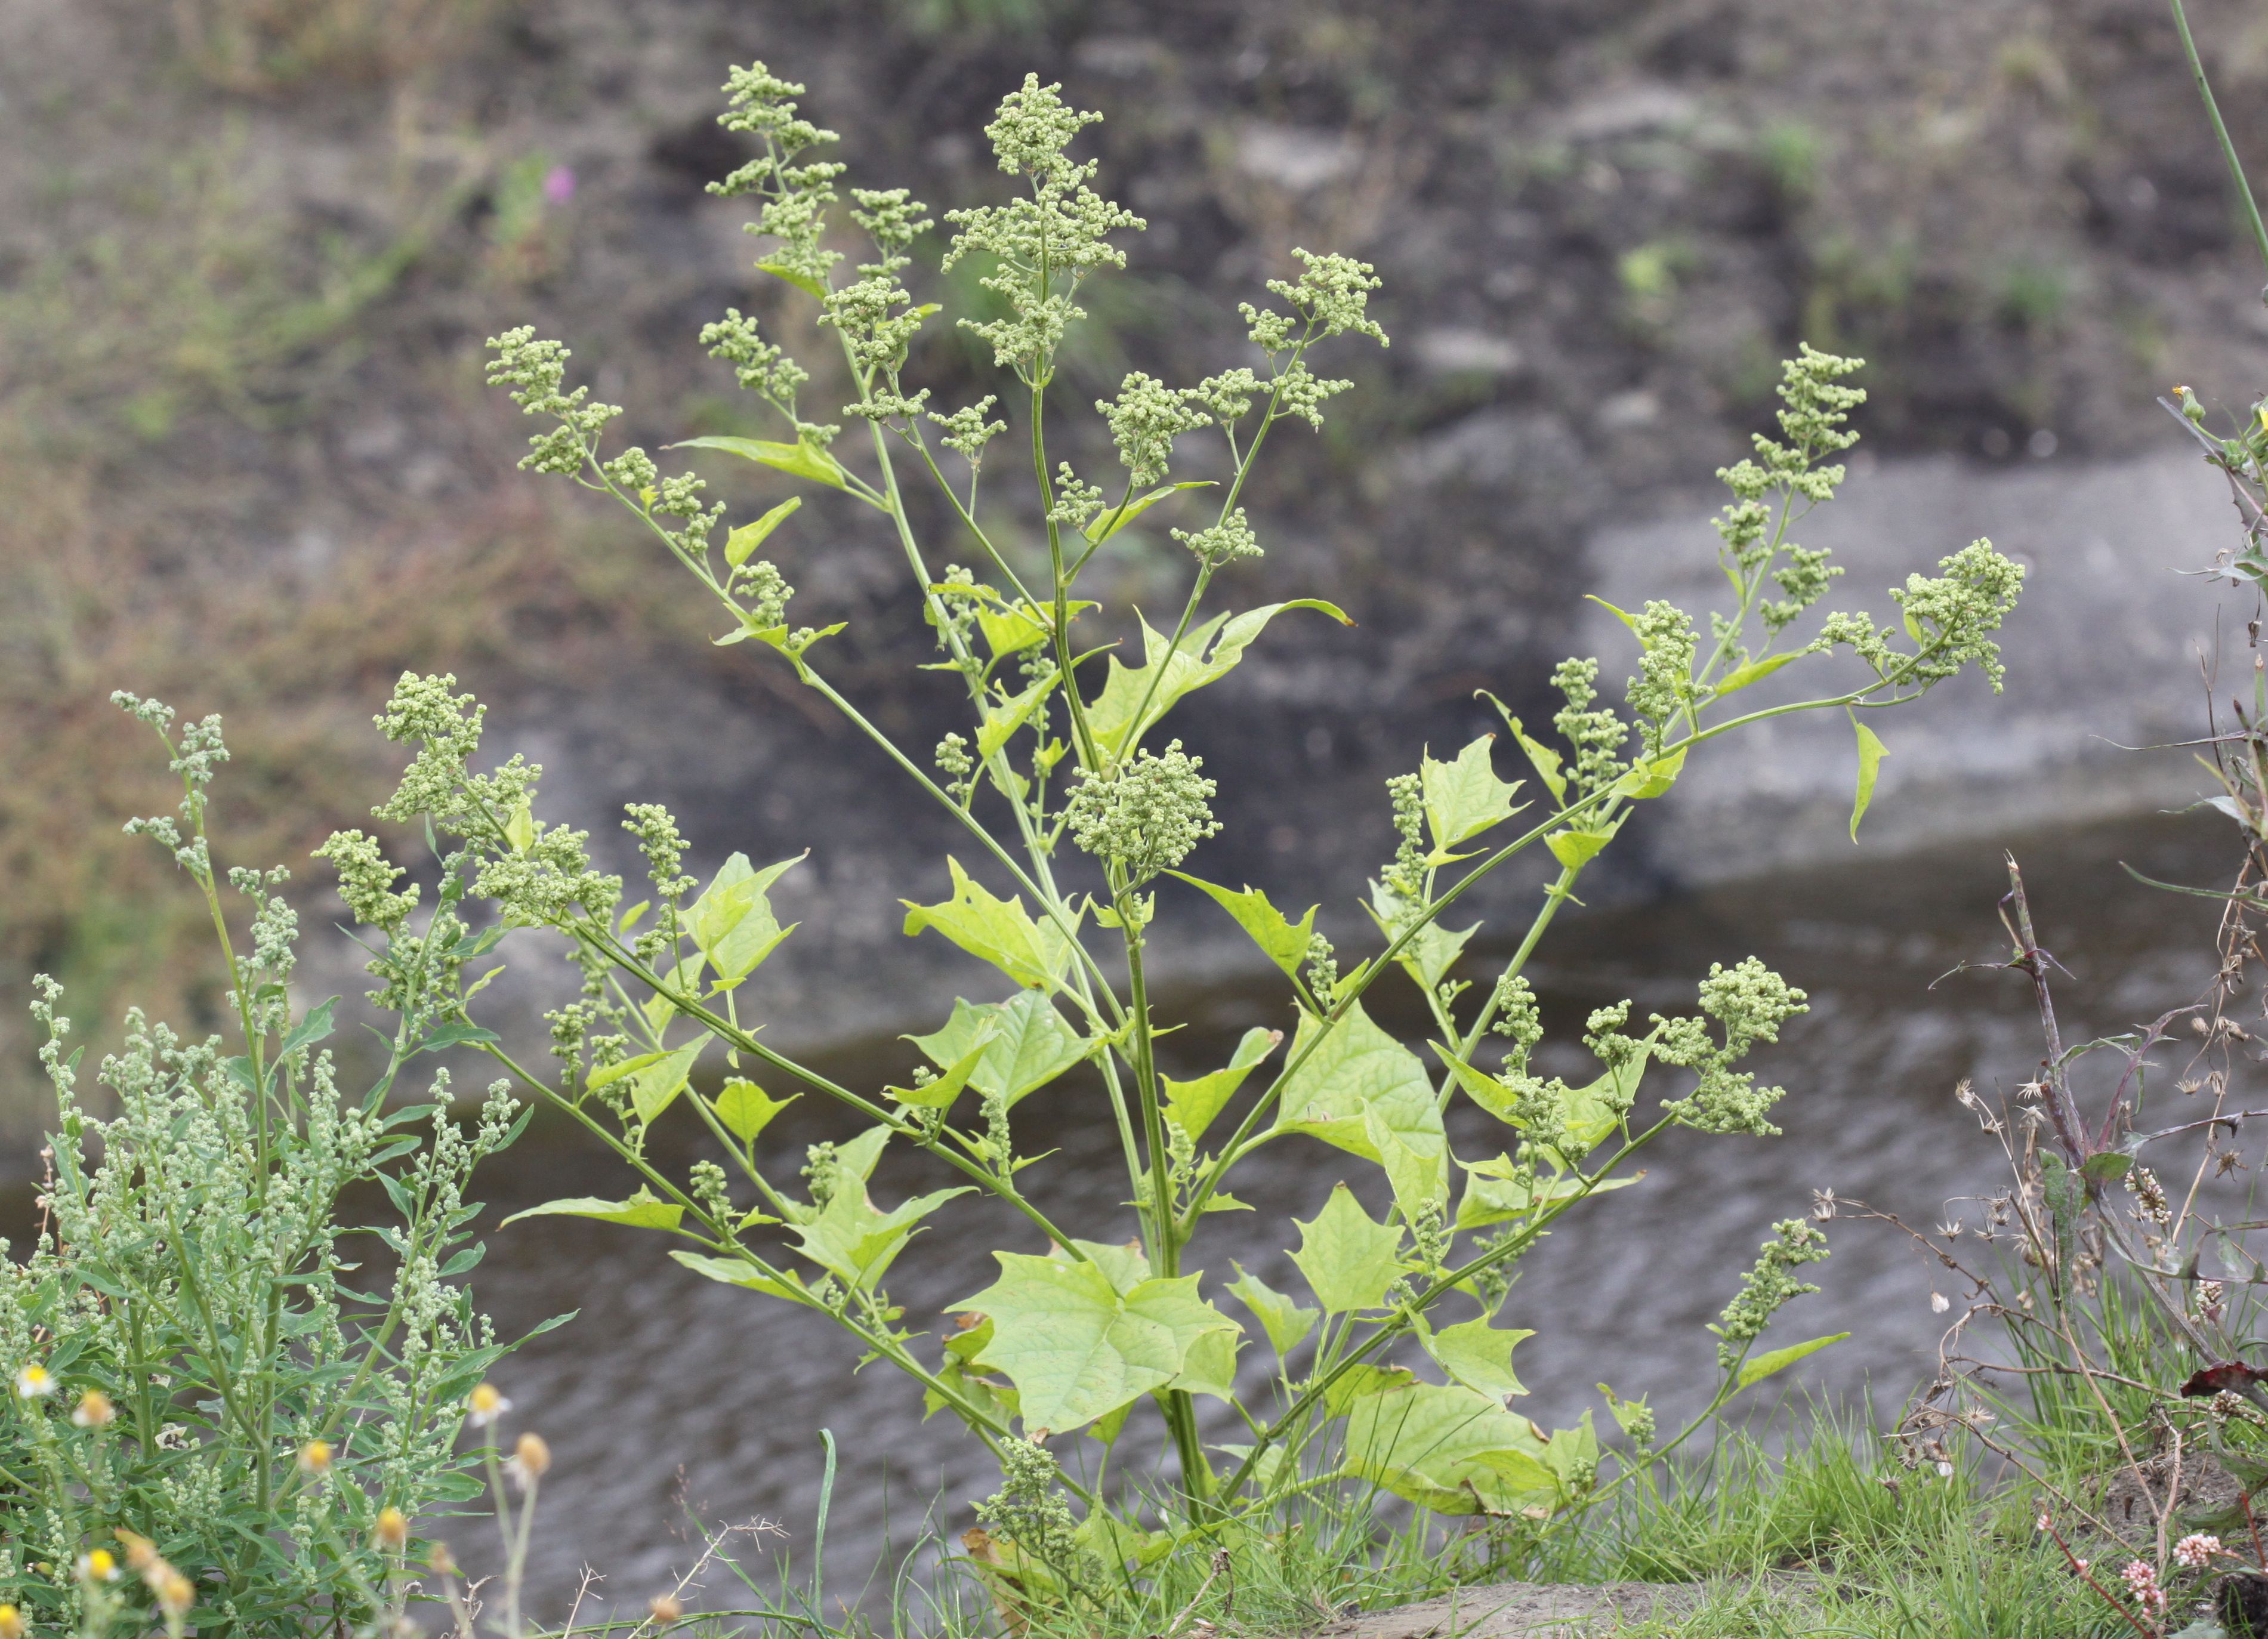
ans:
(669, 1391)
(668, 1386)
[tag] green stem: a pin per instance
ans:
(2220, 130)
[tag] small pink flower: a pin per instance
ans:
(2142, 1583)
(2196, 1550)
(559, 185)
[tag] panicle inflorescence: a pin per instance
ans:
(1750, 1003)
(1146, 418)
(967, 432)
(1048, 242)
(1145, 815)
(1595, 735)
(1767, 1287)
(1219, 545)
(1664, 685)
(1028, 1508)
(796, 196)
(536, 371)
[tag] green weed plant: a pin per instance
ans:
(1394, 1369)
(227, 1395)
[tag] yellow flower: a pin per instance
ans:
(315, 1458)
(442, 1561)
(12, 1625)
(94, 1410)
(392, 1531)
(141, 1553)
(485, 1404)
(530, 1458)
(35, 1382)
(98, 1566)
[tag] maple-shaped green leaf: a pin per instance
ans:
(1575, 849)
(1464, 798)
(655, 1078)
(1191, 1105)
(1427, 956)
(1003, 717)
(1000, 931)
(1281, 940)
(1356, 1073)
(1349, 1258)
(1206, 653)
(746, 1109)
(1076, 1347)
(1478, 1354)
(855, 1243)
(1287, 1323)
(731, 922)
(1448, 1448)
(939, 1093)
(642, 1210)
(1023, 1044)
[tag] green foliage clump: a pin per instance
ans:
(215, 1378)
(1393, 1371)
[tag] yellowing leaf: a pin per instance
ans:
(1871, 752)
(1478, 1356)
(1000, 931)
(731, 922)
(745, 539)
(796, 277)
(643, 1210)
(520, 830)
(1448, 1448)
(746, 1109)
(1021, 1044)
(1283, 941)
(940, 1093)
(1191, 1105)
(1653, 778)
(1464, 797)
(1170, 671)
(1348, 1257)
(1576, 849)
(1287, 1323)
(1075, 1348)
(1356, 1072)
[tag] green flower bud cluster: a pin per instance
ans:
(760, 367)
(1767, 1287)
(1749, 1003)
(1321, 969)
(766, 591)
(658, 839)
(1664, 685)
(1223, 543)
(1405, 878)
(1145, 815)
(1048, 242)
(366, 878)
(1951, 615)
(893, 219)
(1028, 1508)
(878, 319)
(1802, 581)
(958, 767)
(535, 370)
(1075, 499)
(1596, 736)
(1145, 420)
(1517, 1020)
(967, 432)
(796, 196)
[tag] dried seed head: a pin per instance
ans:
(315, 1458)
(93, 1410)
(665, 1607)
(531, 1459)
(391, 1533)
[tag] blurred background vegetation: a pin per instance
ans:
(249, 249)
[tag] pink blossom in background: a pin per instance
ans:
(559, 185)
